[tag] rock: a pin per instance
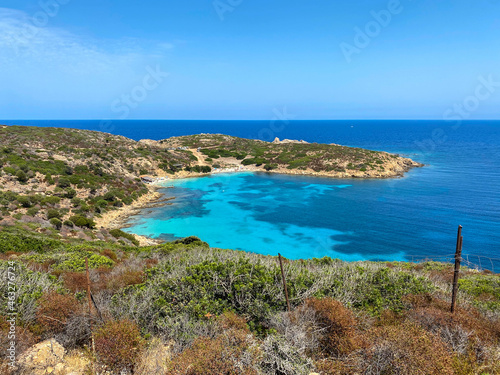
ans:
(8, 221)
(41, 358)
(48, 357)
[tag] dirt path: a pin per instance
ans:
(199, 156)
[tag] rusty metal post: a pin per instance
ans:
(458, 258)
(284, 282)
(90, 311)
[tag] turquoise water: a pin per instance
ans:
(244, 211)
(412, 217)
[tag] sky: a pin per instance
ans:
(248, 59)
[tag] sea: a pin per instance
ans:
(412, 218)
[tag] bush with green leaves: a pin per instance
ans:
(10, 170)
(117, 233)
(82, 221)
(210, 281)
(63, 183)
(53, 213)
(68, 223)
(33, 211)
(50, 200)
(69, 193)
(57, 223)
(24, 201)
(21, 176)
(22, 241)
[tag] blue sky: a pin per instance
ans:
(205, 59)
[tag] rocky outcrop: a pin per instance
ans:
(278, 142)
(49, 357)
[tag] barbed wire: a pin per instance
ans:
(473, 261)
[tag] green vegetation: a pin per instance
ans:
(117, 233)
(183, 307)
(218, 308)
(303, 156)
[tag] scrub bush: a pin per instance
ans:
(118, 344)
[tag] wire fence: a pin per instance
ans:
(473, 261)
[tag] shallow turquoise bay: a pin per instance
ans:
(262, 213)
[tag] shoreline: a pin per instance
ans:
(117, 219)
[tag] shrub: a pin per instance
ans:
(68, 223)
(338, 325)
(228, 354)
(102, 203)
(82, 221)
(32, 211)
(124, 279)
(109, 196)
(117, 233)
(57, 223)
(52, 213)
(21, 176)
(69, 193)
(281, 357)
(63, 183)
(118, 344)
(407, 349)
(10, 170)
(77, 202)
(24, 201)
(75, 281)
(54, 310)
(51, 200)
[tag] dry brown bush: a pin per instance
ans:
(434, 315)
(406, 349)
(231, 320)
(75, 281)
(24, 338)
(340, 336)
(125, 278)
(110, 254)
(118, 344)
(215, 356)
(54, 310)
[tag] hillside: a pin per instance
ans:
(292, 157)
(187, 308)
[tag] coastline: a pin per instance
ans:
(117, 218)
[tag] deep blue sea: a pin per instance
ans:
(301, 217)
